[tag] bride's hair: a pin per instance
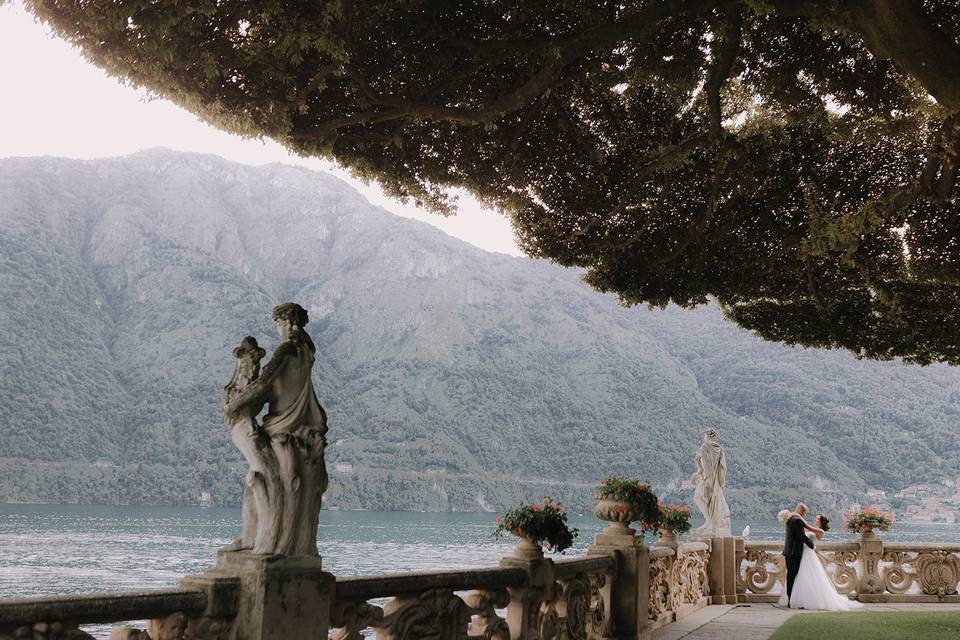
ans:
(824, 522)
(784, 515)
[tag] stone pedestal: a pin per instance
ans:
(722, 570)
(739, 553)
(277, 598)
(523, 611)
(630, 592)
(871, 552)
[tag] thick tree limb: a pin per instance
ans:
(901, 31)
(560, 51)
(726, 46)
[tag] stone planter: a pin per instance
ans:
(668, 538)
(618, 513)
(868, 534)
(528, 550)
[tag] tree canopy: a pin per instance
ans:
(795, 161)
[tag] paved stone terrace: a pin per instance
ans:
(756, 621)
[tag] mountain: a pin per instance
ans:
(454, 379)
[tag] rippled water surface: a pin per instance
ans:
(63, 549)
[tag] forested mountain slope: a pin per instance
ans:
(453, 378)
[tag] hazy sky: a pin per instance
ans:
(53, 102)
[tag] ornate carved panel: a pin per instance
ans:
(659, 587)
(938, 572)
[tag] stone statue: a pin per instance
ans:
(710, 478)
(288, 475)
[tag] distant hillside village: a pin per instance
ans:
(921, 502)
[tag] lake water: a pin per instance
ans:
(67, 549)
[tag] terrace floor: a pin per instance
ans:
(756, 621)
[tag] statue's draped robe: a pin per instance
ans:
(294, 407)
(296, 425)
(709, 492)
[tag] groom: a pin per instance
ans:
(793, 545)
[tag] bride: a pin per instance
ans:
(813, 588)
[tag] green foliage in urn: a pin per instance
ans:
(638, 498)
(544, 523)
(675, 518)
(867, 520)
(795, 161)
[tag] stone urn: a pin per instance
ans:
(867, 533)
(528, 549)
(618, 513)
(668, 538)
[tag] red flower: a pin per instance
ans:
(499, 520)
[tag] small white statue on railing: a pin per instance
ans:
(710, 479)
(288, 475)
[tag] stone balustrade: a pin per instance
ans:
(620, 589)
(867, 569)
(562, 599)
(59, 617)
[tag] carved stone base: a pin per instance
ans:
(279, 597)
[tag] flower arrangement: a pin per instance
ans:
(640, 502)
(867, 520)
(674, 518)
(543, 523)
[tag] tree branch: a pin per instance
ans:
(726, 47)
(561, 51)
(901, 31)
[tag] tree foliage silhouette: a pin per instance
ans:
(795, 161)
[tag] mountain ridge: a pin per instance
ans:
(444, 368)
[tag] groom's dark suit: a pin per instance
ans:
(793, 550)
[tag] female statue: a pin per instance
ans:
(710, 478)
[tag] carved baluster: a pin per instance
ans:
(532, 612)
(575, 607)
(46, 631)
(128, 633)
(485, 623)
(601, 586)
(523, 613)
(549, 624)
(759, 577)
(349, 619)
(896, 577)
(845, 577)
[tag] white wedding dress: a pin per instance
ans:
(813, 588)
